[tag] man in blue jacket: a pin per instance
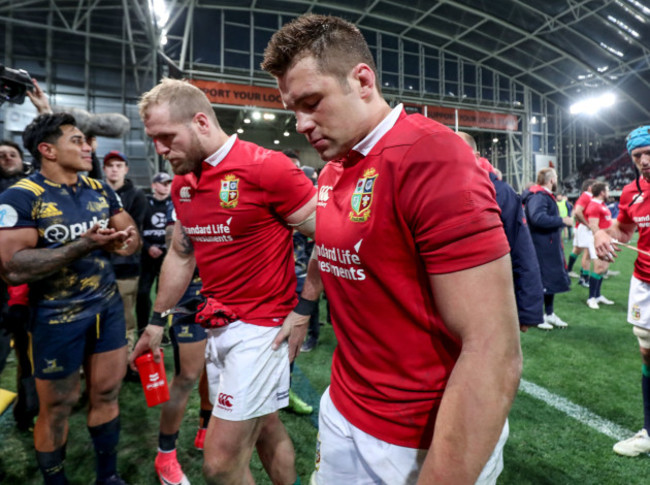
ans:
(525, 268)
(546, 230)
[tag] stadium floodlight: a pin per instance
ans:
(257, 115)
(591, 106)
(160, 11)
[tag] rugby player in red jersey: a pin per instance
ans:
(598, 216)
(583, 240)
(634, 214)
(236, 205)
(415, 264)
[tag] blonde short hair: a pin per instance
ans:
(184, 101)
(545, 175)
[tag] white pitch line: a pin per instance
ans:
(575, 411)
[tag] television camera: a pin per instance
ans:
(14, 84)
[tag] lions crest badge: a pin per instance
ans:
(362, 196)
(229, 193)
(636, 312)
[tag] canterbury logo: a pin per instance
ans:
(324, 193)
(185, 193)
(225, 400)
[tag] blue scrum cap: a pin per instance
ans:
(638, 138)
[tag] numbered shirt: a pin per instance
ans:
(61, 214)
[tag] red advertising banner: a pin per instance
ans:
(263, 97)
(473, 119)
(240, 94)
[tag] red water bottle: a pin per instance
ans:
(153, 378)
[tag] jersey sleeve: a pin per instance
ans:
(16, 208)
(449, 205)
(627, 196)
(114, 202)
(285, 186)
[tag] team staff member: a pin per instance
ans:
(58, 227)
(526, 275)
(634, 212)
(154, 245)
(236, 205)
(398, 260)
(546, 226)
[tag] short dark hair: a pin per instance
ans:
(290, 154)
(13, 145)
(598, 188)
(336, 44)
(588, 183)
(45, 128)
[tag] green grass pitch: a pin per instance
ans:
(594, 364)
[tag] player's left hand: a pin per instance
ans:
(294, 328)
(121, 240)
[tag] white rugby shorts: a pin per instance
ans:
(246, 378)
(345, 454)
(638, 310)
(584, 238)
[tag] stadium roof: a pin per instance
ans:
(562, 49)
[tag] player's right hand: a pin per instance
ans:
(149, 340)
(38, 98)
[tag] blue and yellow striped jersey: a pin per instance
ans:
(61, 214)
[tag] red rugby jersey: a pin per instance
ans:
(234, 215)
(583, 200)
(597, 209)
(415, 205)
(638, 213)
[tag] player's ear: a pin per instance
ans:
(201, 122)
(366, 79)
(47, 150)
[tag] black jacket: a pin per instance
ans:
(135, 204)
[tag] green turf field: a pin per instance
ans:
(588, 374)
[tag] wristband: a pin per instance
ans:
(158, 319)
(305, 307)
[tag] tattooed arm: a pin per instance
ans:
(21, 262)
(175, 275)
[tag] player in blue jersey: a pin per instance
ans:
(57, 228)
